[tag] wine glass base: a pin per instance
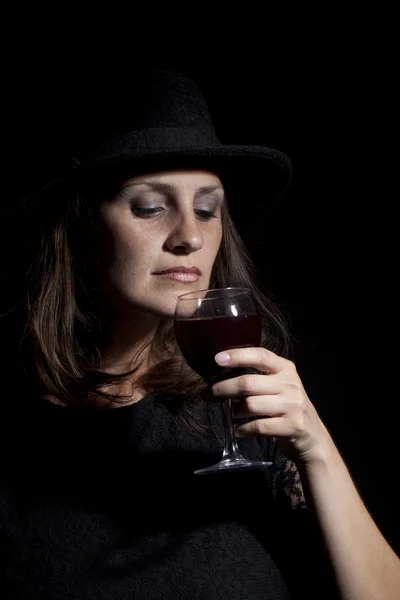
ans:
(229, 464)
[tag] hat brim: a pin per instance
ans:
(254, 177)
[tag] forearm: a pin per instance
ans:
(365, 566)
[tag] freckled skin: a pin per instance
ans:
(136, 246)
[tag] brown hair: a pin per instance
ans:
(63, 320)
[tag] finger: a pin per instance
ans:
(273, 426)
(263, 406)
(247, 385)
(257, 357)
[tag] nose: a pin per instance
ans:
(186, 234)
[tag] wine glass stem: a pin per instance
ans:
(231, 450)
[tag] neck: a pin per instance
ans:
(128, 342)
(128, 347)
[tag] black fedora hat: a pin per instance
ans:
(160, 120)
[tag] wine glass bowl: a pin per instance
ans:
(208, 325)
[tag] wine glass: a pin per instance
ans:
(210, 321)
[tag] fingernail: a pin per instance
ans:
(222, 357)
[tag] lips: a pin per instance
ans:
(181, 269)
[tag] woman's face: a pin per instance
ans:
(157, 222)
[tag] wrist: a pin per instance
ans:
(324, 451)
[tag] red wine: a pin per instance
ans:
(200, 339)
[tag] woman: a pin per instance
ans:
(104, 422)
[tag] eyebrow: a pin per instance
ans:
(167, 188)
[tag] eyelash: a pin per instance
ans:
(148, 212)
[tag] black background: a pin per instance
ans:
(330, 255)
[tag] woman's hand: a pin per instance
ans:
(278, 398)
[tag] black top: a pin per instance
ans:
(105, 506)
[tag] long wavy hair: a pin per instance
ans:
(57, 323)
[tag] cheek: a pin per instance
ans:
(121, 244)
(133, 256)
(216, 241)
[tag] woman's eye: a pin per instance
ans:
(206, 215)
(149, 212)
(145, 212)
